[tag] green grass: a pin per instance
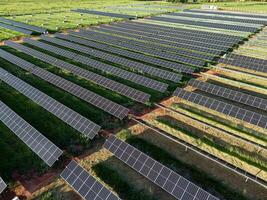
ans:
(126, 190)
(254, 7)
(15, 151)
(201, 178)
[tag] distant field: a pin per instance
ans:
(254, 7)
(57, 15)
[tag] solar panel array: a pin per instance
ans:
(39, 144)
(206, 24)
(130, 76)
(175, 31)
(181, 43)
(230, 94)
(175, 35)
(69, 116)
(158, 44)
(23, 25)
(167, 179)
(94, 12)
(222, 107)
(85, 184)
(179, 38)
(243, 63)
(88, 96)
(130, 54)
(216, 17)
(117, 59)
(21, 30)
(228, 13)
(105, 82)
(2, 185)
(141, 49)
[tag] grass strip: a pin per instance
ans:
(120, 185)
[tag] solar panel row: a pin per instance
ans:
(179, 38)
(117, 60)
(21, 30)
(94, 12)
(230, 94)
(174, 31)
(206, 24)
(229, 13)
(184, 42)
(222, 107)
(176, 48)
(247, 59)
(105, 82)
(2, 185)
(167, 179)
(130, 54)
(85, 184)
(221, 22)
(217, 17)
(141, 49)
(246, 65)
(135, 78)
(39, 144)
(70, 117)
(23, 25)
(88, 96)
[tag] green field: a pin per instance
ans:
(57, 15)
(253, 7)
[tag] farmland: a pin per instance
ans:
(165, 101)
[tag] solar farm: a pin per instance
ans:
(133, 101)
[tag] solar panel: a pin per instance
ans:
(23, 25)
(130, 54)
(174, 31)
(117, 60)
(38, 143)
(222, 107)
(229, 13)
(243, 64)
(94, 12)
(105, 82)
(230, 94)
(86, 95)
(206, 24)
(178, 42)
(247, 59)
(135, 78)
(165, 178)
(2, 185)
(108, 39)
(216, 17)
(158, 44)
(85, 184)
(178, 38)
(21, 30)
(69, 116)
